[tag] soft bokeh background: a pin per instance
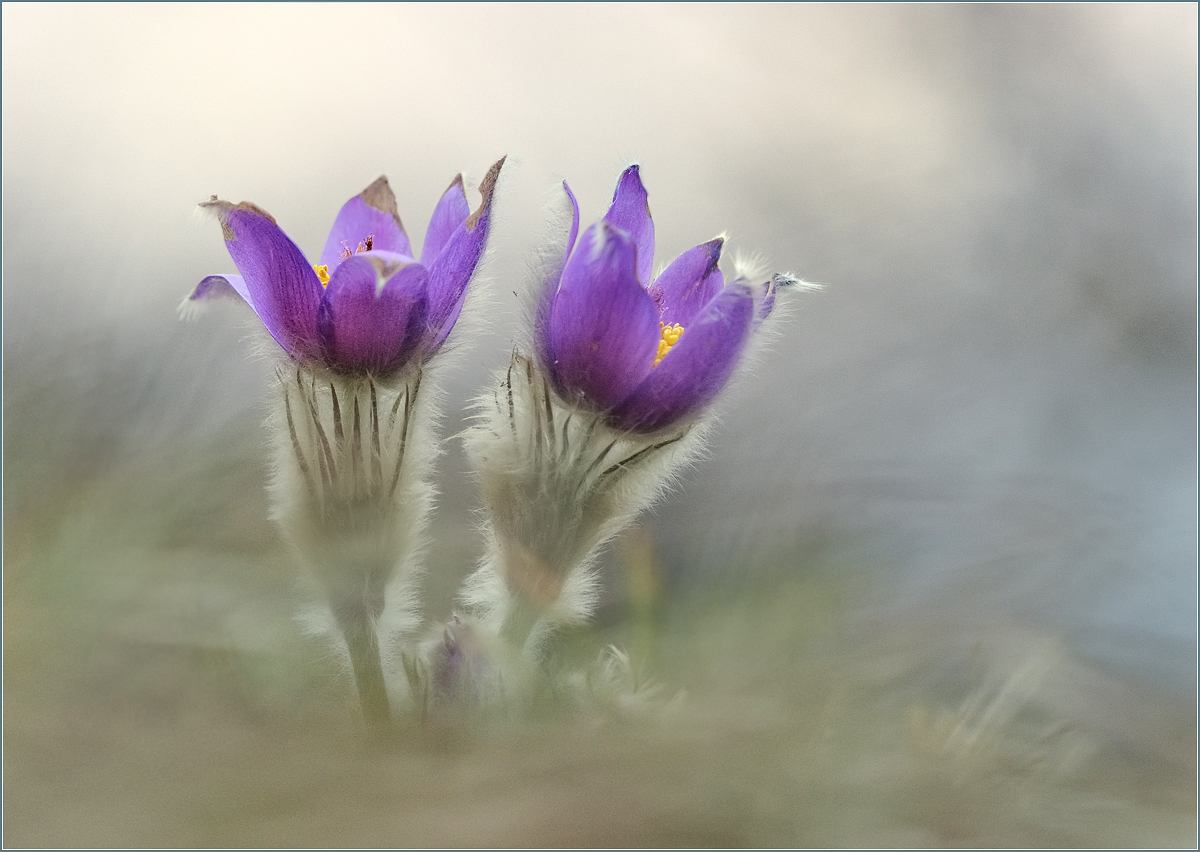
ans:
(936, 582)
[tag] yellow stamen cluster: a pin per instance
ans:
(670, 336)
(322, 274)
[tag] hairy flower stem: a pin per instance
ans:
(357, 610)
(363, 643)
(352, 497)
(518, 624)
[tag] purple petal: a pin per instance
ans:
(462, 670)
(603, 331)
(372, 318)
(546, 301)
(211, 288)
(280, 285)
(370, 213)
(221, 287)
(689, 283)
(630, 211)
(574, 221)
(451, 271)
(449, 213)
(696, 368)
(764, 299)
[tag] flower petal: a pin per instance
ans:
(689, 283)
(603, 331)
(373, 316)
(764, 299)
(696, 368)
(574, 221)
(541, 321)
(213, 287)
(280, 285)
(630, 211)
(370, 213)
(451, 210)
(221, 286)
(451, 271)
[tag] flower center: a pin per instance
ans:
(364, 245)
(670, 336)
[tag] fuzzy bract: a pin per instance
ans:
(646, 353)
(369, 306)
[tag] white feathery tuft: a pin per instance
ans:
(789, 280)
(749, 266)
(200, 213)
(191, 309)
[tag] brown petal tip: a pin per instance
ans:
(380, 196)
(221, 210)
(486, 189)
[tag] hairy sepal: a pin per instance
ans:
(353, 499)
(558, 483)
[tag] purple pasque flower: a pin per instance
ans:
(644, 352)
(368, 306)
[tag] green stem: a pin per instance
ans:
(368, 673)
(519, 624)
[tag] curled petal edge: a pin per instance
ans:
(209, 290)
